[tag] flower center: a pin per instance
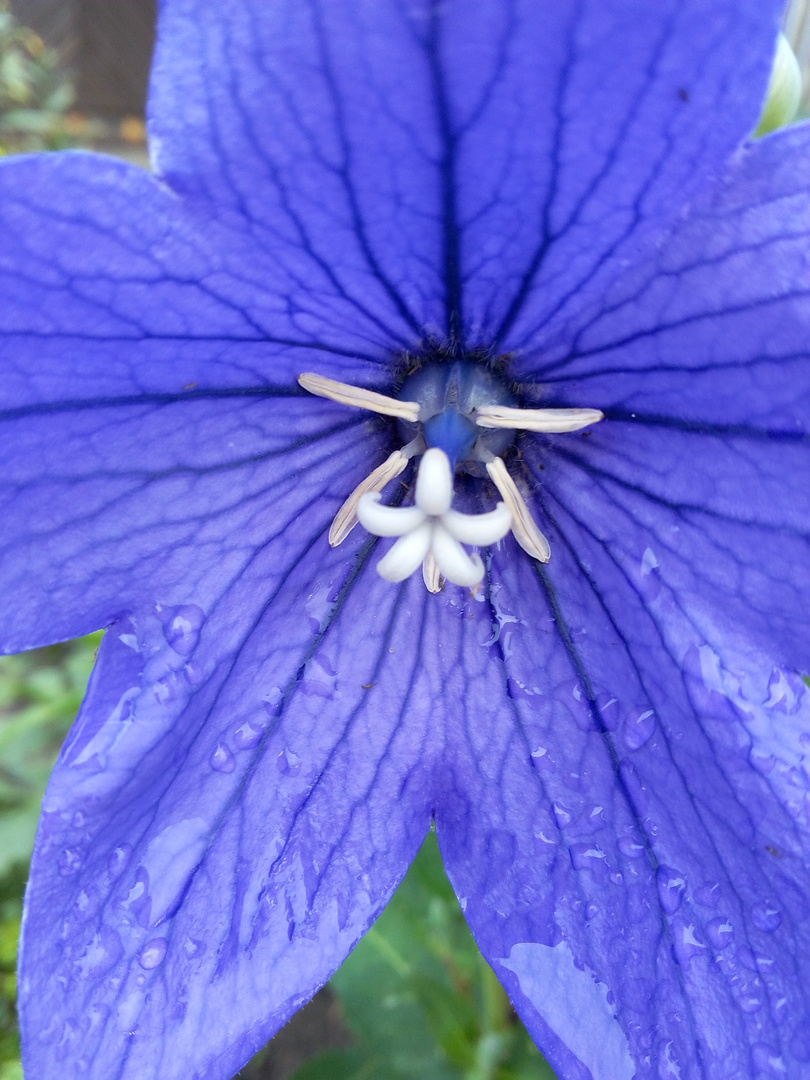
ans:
(449, 397)
(461, 419)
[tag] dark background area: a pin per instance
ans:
(107, 42)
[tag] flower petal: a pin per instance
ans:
(711, 327)
(625, 823)
(702, 461)
(143, 458)
(227, 817)
(456, 161)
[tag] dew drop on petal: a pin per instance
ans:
(720, 933)
(586, 856)
(87, 903)
(119, 860)
(288, 763)
(248, 735)
(638, 727)
(750, 1001)
(591, 910)
(273, 700)
(152, 954)
(182, 626)
(768, 1062)
(221, 759)
(708, 894)
(630, 847)
(69, 862)
(685, 941)
(766, 917)
(668, 1066)
(671, 886)
(193, 948)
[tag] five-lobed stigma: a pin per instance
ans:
(457, 416)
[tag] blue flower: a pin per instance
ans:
(555, 197)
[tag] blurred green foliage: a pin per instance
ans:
(40, 693)
(36, 92)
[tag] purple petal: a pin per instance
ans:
(463, 162)
(711, 328)
(626, 827)
(238, 799)
(144, 458)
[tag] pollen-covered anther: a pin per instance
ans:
(548, 421)
(430, 533)
(357, 397)
(346, 517)
(524, 529)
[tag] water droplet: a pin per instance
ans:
(119, 860)
(630, 847)
(586, 856)
(152, 954)
(288, 763)
(638, 727)
(671, 886)
(193, 948)
(273, 701)
(78, 820)
(608, 708)
(708, 894)
(563, 816)
(166, 690)
(87, 903)
(70, 862)
(750, 1001)
(101, 954)
(720, 933)
(221, 759)
(768, 1062)
(685, 942)
(182, 626)
(779, 1010)
(138, 901)
(194, 673)
(591, 910)
(248, 735)
(747, 958)
(766, 916)
(668, 1065)
(785, 692)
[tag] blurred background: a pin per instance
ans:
(415, 999)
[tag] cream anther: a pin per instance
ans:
(430, 533)
(550, 421)
(357, 397)
(524, 529)
(394, 464)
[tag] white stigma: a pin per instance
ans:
(430, 532)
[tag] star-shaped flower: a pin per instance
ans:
(547, 206)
